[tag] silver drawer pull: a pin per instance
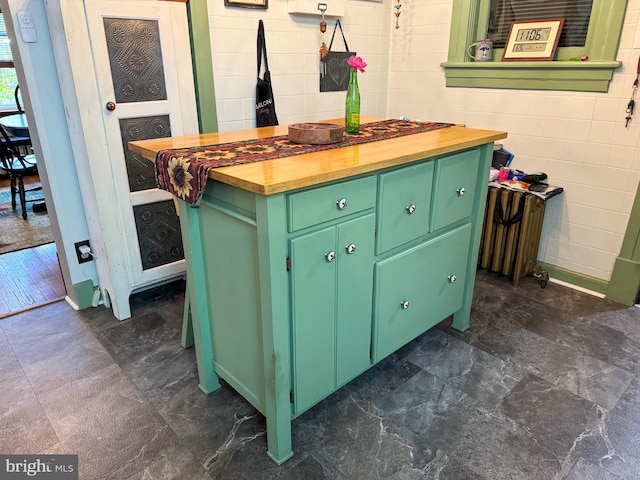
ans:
(460, 191)
(404, 304)
(410, 209)
(351, 248)
(452, 278)
(330, 256)
(342, 204)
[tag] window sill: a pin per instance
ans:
(589, 76)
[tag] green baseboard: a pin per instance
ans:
(578, 279)
(623, 286)
(83, 293)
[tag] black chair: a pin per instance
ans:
(23, 142)
(17, 96)
(17, 166)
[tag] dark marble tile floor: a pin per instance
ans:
(545, 384)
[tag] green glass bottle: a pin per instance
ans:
(352, 105)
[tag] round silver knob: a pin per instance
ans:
(351, 248)
(330, 256)
(452, 278)
(460, 191)
(410, 208)
(342, 204)
(404, 304)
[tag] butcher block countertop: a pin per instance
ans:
(289, 173)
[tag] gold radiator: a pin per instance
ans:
(511, 234)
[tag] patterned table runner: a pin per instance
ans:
(184, 171)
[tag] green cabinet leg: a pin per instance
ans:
(198, 302)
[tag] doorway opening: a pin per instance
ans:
(30, 274)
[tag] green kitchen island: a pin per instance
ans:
(305, 271)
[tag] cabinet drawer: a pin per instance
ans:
(405, 202)
(320, 205)
(418, 288)
(457, 177)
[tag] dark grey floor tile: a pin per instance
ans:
(209, 424)
(24, 426)
(629, 404)
(167, 300)
(589, 337)
(619, 317)
(556, 418)
(350, 434)
(311, 469)
(582, 470)
(614, 445)
(133, 339)
(55, 349)
(559, 364)
(465, 367)
(173, 463)
(106, 421)
(162, 367)
(483, 439)
(385, 376)
(553, 295)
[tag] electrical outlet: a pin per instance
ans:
(83, 251)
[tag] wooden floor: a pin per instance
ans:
(29, 277)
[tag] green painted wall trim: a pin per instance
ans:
(579, 77)
(469, 24)
(574, 278)
(625, 278)
(83, 293)
(202, 65)
(624, 284)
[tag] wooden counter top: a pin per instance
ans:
(289, 173)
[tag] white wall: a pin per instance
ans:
(48, 126)
(578, 139)
(293, 44)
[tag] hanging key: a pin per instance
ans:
(630, 108)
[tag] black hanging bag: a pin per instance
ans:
(265, 106)
(334, 69)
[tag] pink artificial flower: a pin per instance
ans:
(356, 63)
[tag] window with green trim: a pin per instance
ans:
(470, 22)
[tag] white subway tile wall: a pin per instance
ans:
(293, 45)
(579, 139)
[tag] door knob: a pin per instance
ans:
(330, 256)
(351, 248)
(452, 278)
(460, 191)
(404, 304)
(410, 209)
(111, 106)
(342, 204)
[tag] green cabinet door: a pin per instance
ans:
(313, 299)
(331, 288)
(418, 288)
(355, 287)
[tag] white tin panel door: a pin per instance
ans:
(142, 62)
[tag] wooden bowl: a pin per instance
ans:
(315, 133)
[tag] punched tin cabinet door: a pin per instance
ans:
(142, 69)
